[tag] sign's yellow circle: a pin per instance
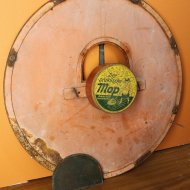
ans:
(114, 88)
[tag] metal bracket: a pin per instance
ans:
(74, 92)
(101, 54)
(80, 91)
(76, 172)
(141, 84)
(12, 58)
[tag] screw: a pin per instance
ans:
(12, 57)
(175, 110)
(174, 45)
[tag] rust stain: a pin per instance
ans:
(137, 141)
(144, 28)
(120, 140)
(42, 148)
(13, 121)
(52, 138)
(20, 134)
(105, 117)
(50, 104)
(93, 127)
(110, 130)
(47, 152)
(26, 133)
(36, 107)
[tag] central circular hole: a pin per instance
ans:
(113, 54)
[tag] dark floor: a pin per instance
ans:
(169, 169)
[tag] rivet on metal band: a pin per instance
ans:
(12, 58)
(175, 109)
(56, 2)
(136, 1)
(174, 45)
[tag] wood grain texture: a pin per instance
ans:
(40, 184)
(169, 169)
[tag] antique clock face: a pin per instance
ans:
(65, 94)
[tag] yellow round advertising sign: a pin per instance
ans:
(114, 88)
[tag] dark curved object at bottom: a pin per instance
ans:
(79, 171)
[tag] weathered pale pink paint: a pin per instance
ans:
(47, 64)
